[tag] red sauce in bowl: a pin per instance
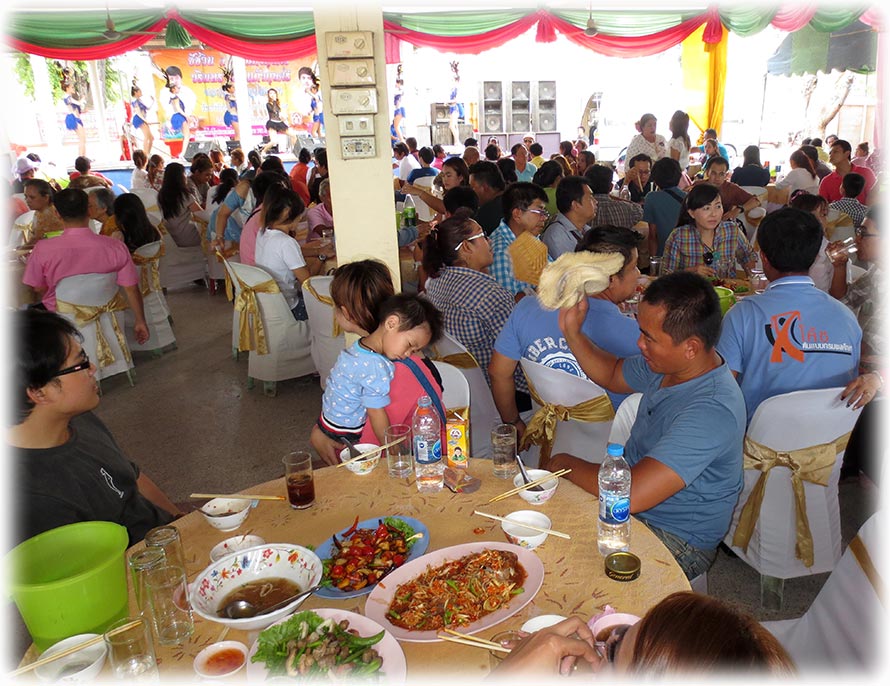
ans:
(223, 661)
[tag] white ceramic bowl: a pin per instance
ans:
(361, 467)
(541, 622)
(537, 497)
(204, 666)
(233, 545)
(214, 512)
(756, 213)
(269, 561)
(92, 659)
(520, 535)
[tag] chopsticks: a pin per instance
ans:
(237, 496)
(74, 649)
(371, 453)
(469, 640)
(523, 524)
(536, 482)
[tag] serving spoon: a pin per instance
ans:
(525, 478)
(242, 609)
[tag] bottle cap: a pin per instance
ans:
(615, 449)
(622, 566)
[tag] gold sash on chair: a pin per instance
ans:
(459, 360)
(326, 300)
(252, 337)
(150, 274)
(541, 430)
(88, 314)
(813, 464)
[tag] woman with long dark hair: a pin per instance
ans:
(751, 173)
(802, 175)
(177, 204)
(454, 173)
(135, 226)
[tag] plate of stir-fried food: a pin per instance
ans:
(327, 646)
(468, 588)
(355, 559)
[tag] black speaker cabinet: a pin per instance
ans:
(546, 90)
(438, 113)
(547, 121)
(520, 121)
(493, 122)
(194, 147)
(232, 145)
(492, 90)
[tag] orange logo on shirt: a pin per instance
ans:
(781, 334)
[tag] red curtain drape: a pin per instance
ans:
(97, 52)
(463, 44)
(630, 46)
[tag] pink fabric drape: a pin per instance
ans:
(463, 44)
(791, 18)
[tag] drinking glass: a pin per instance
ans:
(142, 562)
(507, 639)
(167, 539)
(503, 451)
(170, 608)
(759, 282)
(326, 236)
(654, 265)
(398, 456)
(847, 247)
(131, 652)
(299, 480)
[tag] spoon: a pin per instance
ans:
(525, 478)
(242, 609)
(353, 451)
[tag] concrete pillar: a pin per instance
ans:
(361, 189)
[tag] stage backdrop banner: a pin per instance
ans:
(202, 74)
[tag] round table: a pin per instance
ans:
(574, 579)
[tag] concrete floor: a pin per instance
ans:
(193, 425)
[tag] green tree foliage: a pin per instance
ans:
(111, 78)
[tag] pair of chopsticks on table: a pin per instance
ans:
(475, 641)
(541, 529)
(75, 648)
(236, 496)
(371, 453)
(536, 482)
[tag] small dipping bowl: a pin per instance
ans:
(233, 545)
(522, 536)
(226, 514)
(541, 622)
(82, 666)
(536, 497)
(361, 467)
(220, 660)
(603, 627)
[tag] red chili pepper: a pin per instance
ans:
(351, 529)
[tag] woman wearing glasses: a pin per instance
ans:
(702, 241)
(474, 306)
(684, 633)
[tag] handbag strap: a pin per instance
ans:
(674, 195)
(427, 386)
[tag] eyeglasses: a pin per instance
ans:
(481, 234)
(79, 367)
(613, 643)
(862, 233)
(708, 257)
(541, 213)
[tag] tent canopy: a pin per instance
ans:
(806, 51)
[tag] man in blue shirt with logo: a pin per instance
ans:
(685, 446)
(793, 337)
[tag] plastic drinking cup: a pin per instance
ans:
(655, 266)
(503, 451)
(398, 456)
(507, 639)
(299, 480)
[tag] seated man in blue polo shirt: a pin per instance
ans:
(685, 446)
(793, 337)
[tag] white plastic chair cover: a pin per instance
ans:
(149, 198)
(424, 212)
(288, 340)
(181, 267)
(20, 227)
(94, 290)
(818, 417)
(157, 311)
(455, 389)
(625, 416)
(483, 413)
(844, 628)
(586, 440)
(325, 346)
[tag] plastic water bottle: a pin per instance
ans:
(624, 192)
(613, 533)
(427, 429)
(409, 212)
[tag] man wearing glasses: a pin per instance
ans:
(523, 206)
(67, 466)
(792, 337)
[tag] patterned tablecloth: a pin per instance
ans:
(574, 579)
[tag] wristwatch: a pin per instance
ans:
(322, 257)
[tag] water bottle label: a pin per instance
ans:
(426, 453)
(614, 510)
